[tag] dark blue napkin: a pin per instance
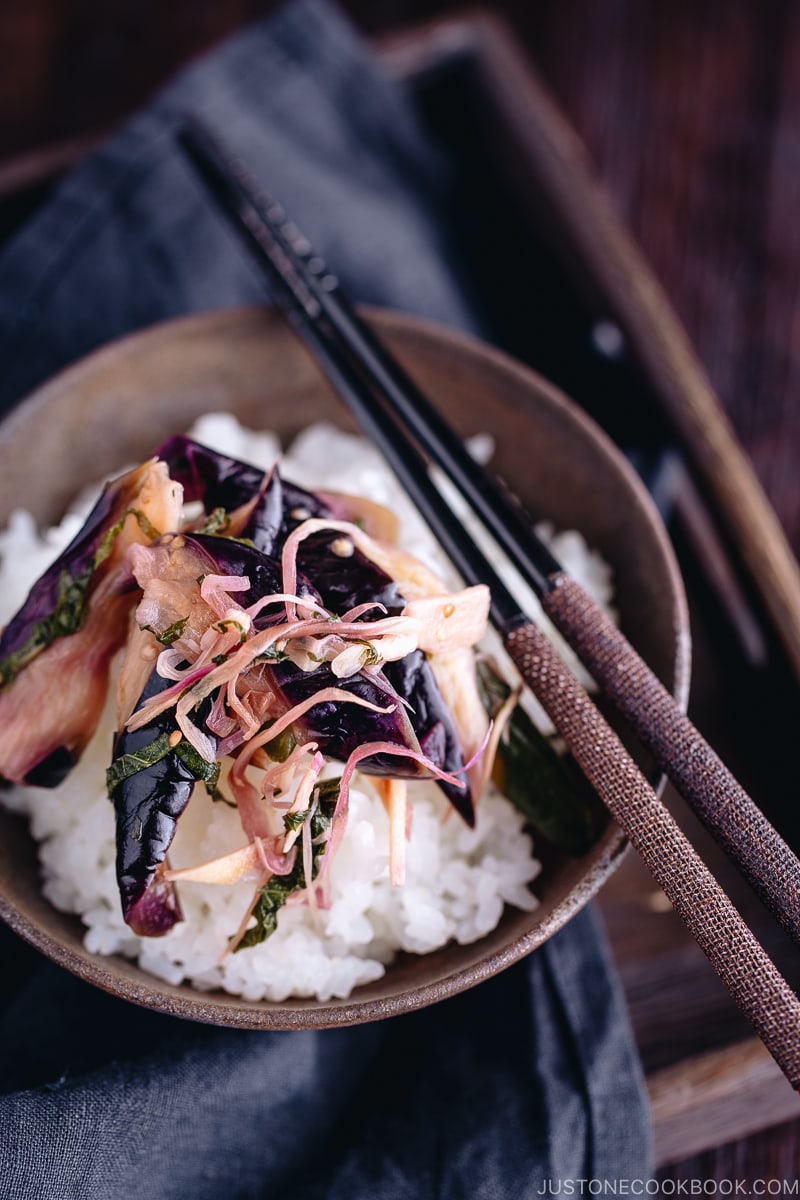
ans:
(526, 1081)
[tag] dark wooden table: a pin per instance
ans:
(691, 112)
(691, 115)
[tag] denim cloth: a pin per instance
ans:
(530, 1077)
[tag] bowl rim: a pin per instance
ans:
(234, 1011)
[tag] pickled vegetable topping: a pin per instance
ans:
(274, 642)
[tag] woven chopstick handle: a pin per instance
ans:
(744, 833)
(751, 977)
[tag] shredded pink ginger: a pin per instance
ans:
(220, 650)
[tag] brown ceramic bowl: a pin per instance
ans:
(118, 404)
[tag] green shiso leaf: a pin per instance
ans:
(292, 821)
(272, 655)
(532, 776)
(271, 899)
(130, 764)
(206, 772)
(66, 618)
(106, 544)
(281, 746)
(171, 633)
(71, 602)
(217, 522)
(277, 890)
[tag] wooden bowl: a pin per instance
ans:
(116, 405)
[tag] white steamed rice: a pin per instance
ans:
(457, 880)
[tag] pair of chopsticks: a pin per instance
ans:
(404, 425)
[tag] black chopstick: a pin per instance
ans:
(307, 282)
(314, 302)
(376, 390)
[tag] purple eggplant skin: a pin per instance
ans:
(413, 679)
(49, 772)
(339, 728)
(345, 583)
(342, 583)
(147, 806)
(298, 506)
(233, 557)
(218, 481)
(149, 803)
(55, 653)
(73, 568)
